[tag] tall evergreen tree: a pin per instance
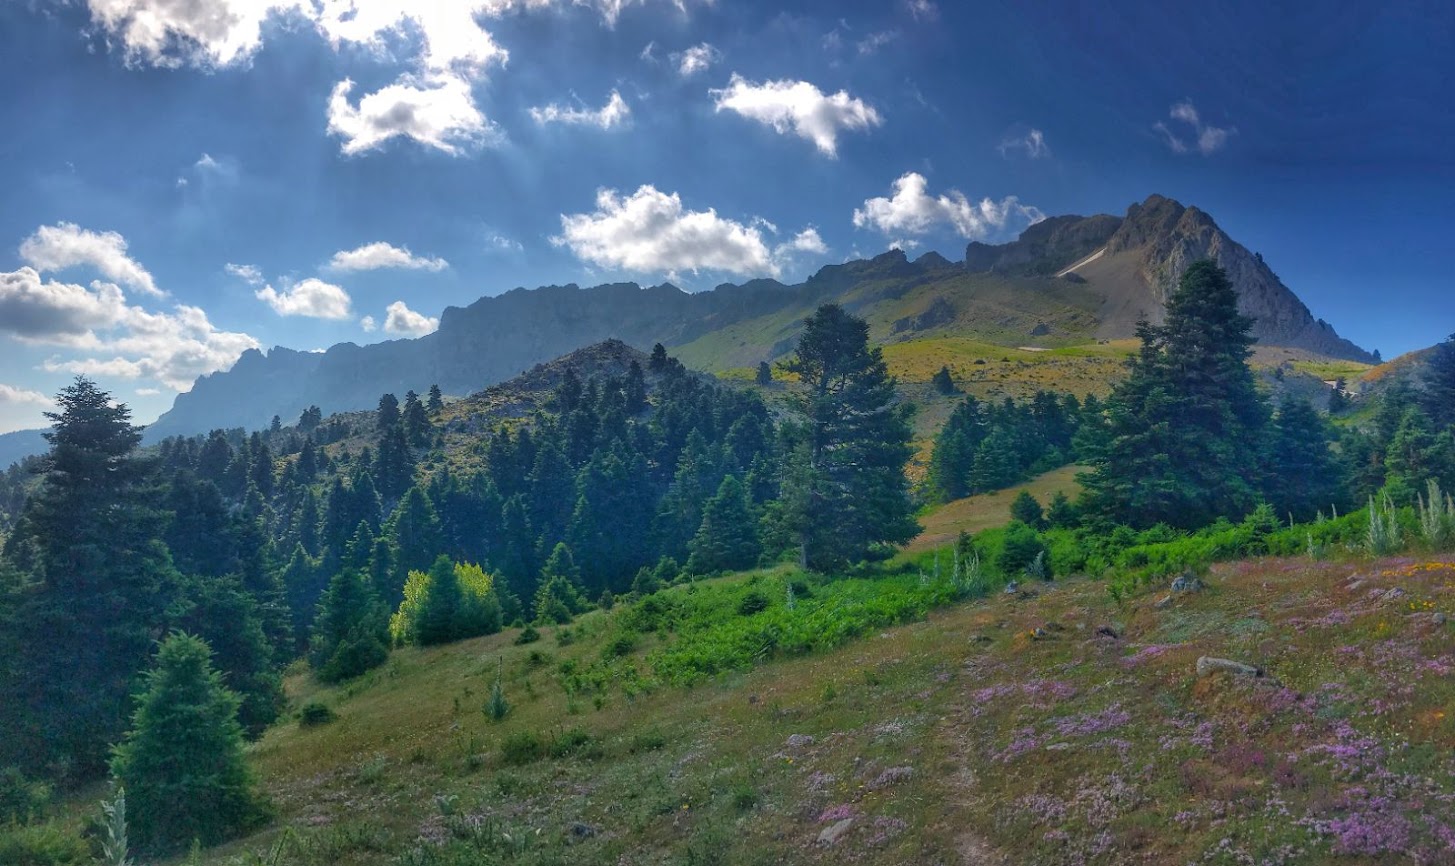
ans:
(415, 532)
(558, 597)
(1175, 448)
(386, 417)
(1439, 396)
(858, 443)
(635, 393)
(764, 376)
(219, 611)
(102, 575)
(727, 540)
(351, 632)
(1303, 476)
(944, 382)
(416, 421)
(182, 763)
(436, 402)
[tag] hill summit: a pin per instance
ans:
(1067, 279)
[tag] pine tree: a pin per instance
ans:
(727, 540)
(1304, 476)
(559, 596)
(995, 465)
(1062, 514)
(351, 632)
(943, 382)
(416, 421)
(1417, 455)
(220, 612)
(441, 602)
(1338, 396)
(765, 374)
(436, 402)
(635, 394)
(1439, 381)
(101, 573)
(182, 763)
(414, 530)
(387, 415)
(857, 499)
(1175, 448)
(658, 361)
(1027, 510)
(552, 492)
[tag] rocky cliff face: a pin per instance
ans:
(1165, 237)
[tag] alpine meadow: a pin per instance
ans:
(809, 511)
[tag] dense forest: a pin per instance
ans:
(154, 597)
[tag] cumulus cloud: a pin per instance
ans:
(312, 298)
(174, 348)
(1032, 144)
(67, 245)
(11, 395)
(378, 255)
(912, 211)
(170, 34)
(21, 408)
(806, 241)
(614, 113)
(249, 274)
(650, 231)
(440, 113)
(698, 58)
(368, 324)
(407, 323)
(1205, 138)
(798, 107)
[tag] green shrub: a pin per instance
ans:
(42, 845)
(21, 800)
(521, 747)
(527, 635)
(752, 602)
(619, 646)
(315, 714)
(1020, 548)
(571, 742)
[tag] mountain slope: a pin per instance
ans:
(1007, 294)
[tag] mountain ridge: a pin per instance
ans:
(1006, 293)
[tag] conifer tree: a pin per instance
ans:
(350, 634)
(182, 764)
(1417, 455)
(416, 421)
(436, 402)
(1062, 514)
(220, 612)
(764, 376)
(943, 382)
(1303, 477)
(386, 417)
(441, 603)
(658, 361)
(559, 595)
(101, 573)
(727, 540)
(635, 393)
(1175, 448)
(552, 492)
(1439, 381)
(1027, 510)
(856, 499)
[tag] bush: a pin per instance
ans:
(21, 800)
(1019, 549)
(572, 742)
(42, 845)
(1027, 510)
(619, 646)
(521, 747)
(751, 603)
(314, 714)
(527, 635)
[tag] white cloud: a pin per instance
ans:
(698, 58)
(9, 394)
(368, 324)
(806, 241)
(874, 41)
(1207, 139)
(406, 322)
(497, 241)
(148, 392)
(249, 274)
(614, 113)
(67, 245)
(922, 10)
(173, 33)
(37, 310)
(441, 114)
(379, 254)
(912, 211)
(1033, 144)
(650, 232)
(312, 298)
(798, 107)
(649, 52)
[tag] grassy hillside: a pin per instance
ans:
(974, 514)
(1052, 726)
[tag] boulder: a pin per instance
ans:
(1207, 666)
(830, 835)
(1187, 582)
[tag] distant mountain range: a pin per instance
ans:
(1067, 279)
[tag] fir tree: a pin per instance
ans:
(101, 573)
(220, 612)
(182, 763)
(350, 634)
(1338, 396)
(414, 530)
(635, 393)
(387, 415)
(559, 596)
(765, 374)
(1304, 476)
(416, 421)
(1439, 381)
(1027, 510)
(943, 382)
(1062, 514)
(854, 490)
(727, 540)
(1175, 448)
(658, 362)
(436, 402)
(440, 604)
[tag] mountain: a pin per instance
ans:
(1066, 280)
(20, 444)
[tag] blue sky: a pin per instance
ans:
(182, 185)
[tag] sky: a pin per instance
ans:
(185, 181)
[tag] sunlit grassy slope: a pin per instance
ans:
(1052, 727)
(944, 523)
